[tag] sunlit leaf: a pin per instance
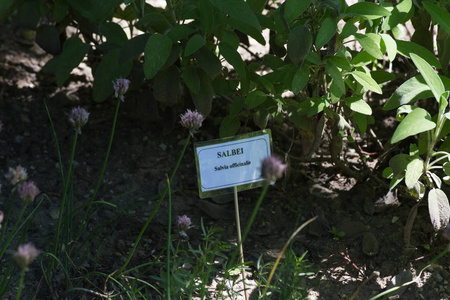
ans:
(415, 122)
(414, 170)
(438, 208)
(430, 76)
(366, 81)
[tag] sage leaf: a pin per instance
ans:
(414, 170)
(430, 76)
(439, 208)
(157, 51)
(417, 121)
(366, 81)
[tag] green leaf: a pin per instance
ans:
(294, 8)
(236, 106)
(239, 10)
(206, 15)
(430, 76)
(410, 91)
(438, 208)
(414, 170)
(191, 79)
(405, 48)
(300, 79)
(203, 100)
(133, 47)
(439, 15)
(299, 44)
(194, 44)
(398, 164)
(234, 58)
(359, 105)
(318, 105)
(47, 37)
(326, 32)
(361, 122)
(108, 70)
(229, 126)
(180, 32)
(244, 27)
(73, 52)
(415, 122)
(391, 45)
(368, 10)
(166, 87)
(113, 33)
(337, 77)
(398, 13)
(255, 98)
(446, 168)
(157, 51)
(369, 45)
(208, 61)
(366, 81)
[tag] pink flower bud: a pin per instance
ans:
(183, 222)
(78, 118)
(25, 255)
(272, 168)
(192, 120)
(17, 174)
(28, 191)
(120, 88)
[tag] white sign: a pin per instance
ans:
(231, 162)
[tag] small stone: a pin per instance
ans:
(438, 277)
(163, 147)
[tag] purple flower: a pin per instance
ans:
(78, 118)
(1, 218)
(28, 191)
(25, 255)
(272, 168)
(192, 120)
(17, 174)
(120, 88)
(183, 222)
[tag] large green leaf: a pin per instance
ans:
(239, 10)
(191, 79)
(359, 105)
(415, 122)
(157, 51)
(229, 126)
(414, 170)
(366, 81)
(234, 58)
(326, 32)
(47, 37)
(430, 76)
(249, 30)
(194, 44)
(438, 208)
(208, 61)
(255, 98)
(203, 99)
(398, 13)
(405, 48)
(299, 44)
(411, 90)
(294, 8)
(391, 46)
(337, 77)
(113, 33)
(166, 88)
(439, 15)
(368, 10)
(300, 79)
(72, 54)
(133, 47)
(369, 45)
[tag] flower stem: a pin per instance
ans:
(154, 210)
(22, 276)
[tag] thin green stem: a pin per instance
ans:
(108, 151)
(22, 276)
(13, 232)
(118, 272)
(169, 231)
(63, 202)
